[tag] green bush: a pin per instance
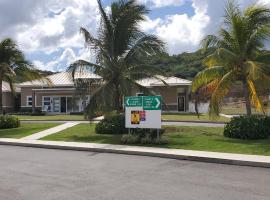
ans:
(244, 127)
(8, 121)
(113, 123)
(144, 136)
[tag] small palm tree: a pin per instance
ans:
(238, 57)
(12, 63)
(122, 52)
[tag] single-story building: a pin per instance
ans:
(175, 93)
(61, 97)
(10, 101)
(57, 96)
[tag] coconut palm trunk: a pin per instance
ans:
(247, 98)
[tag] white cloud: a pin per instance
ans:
(48, 24)
(149, 25)
(51, 26)
(179, 31)
(162, 3)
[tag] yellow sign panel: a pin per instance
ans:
(135, 117)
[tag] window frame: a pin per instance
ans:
(29, 101)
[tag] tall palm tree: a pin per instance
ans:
(13, 63)
(122, 54)
(238, 57)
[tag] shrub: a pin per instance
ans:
(113, 123)
(244, 127)
(8, 121)
(144, 136)
(38, 114)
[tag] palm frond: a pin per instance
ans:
(145, 47)
(210, 41)
(222, 89)
(206, 76)
(82, 66)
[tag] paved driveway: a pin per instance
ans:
(40, 174)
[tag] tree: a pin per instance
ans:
(122, 52)
(13, 63)
(238, 57)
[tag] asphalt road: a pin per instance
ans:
(41, 174)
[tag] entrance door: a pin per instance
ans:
(63, 104)
(181, 104)
(56, 104)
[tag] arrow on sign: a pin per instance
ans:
(128, 102)
(158, 103)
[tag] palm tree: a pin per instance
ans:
(122, 52)
(238, 57)
(12, 64)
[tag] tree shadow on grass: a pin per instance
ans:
(105, 139)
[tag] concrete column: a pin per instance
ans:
(33, 102)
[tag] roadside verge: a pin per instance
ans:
(201, 156)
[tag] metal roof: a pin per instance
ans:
(64, 79)
(6, 87)
(60, 79)
(170, 81)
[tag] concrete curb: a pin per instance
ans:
(200, 156)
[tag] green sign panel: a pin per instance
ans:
(147, 102)
(133, 101)
(152, 103)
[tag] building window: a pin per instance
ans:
(29, 101)
(139, 94)
(46, 104)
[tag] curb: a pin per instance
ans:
(199, 156)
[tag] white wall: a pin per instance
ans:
(202, 107)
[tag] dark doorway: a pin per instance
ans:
(181, 104)
(63, 104)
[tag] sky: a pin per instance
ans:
(47, 31)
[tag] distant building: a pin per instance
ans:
(61, 96)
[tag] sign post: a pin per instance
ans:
(143, 112)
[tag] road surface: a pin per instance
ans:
(41, 174)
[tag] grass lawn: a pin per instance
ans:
(191, 138)
(191, 117)
(25, 130)
(167, 116)
(240, 110)
(51, 117)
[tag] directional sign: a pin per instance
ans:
(134, 101)
(152, 103)
(143, 112)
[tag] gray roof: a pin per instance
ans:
(61, 79)
(64, 79)
(6, 87)
(170, 81)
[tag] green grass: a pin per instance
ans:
(167, 116)
(83, 133)
(25, 130)
(51, 117)
(189, 138)
(192, 117)
(239, 109)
